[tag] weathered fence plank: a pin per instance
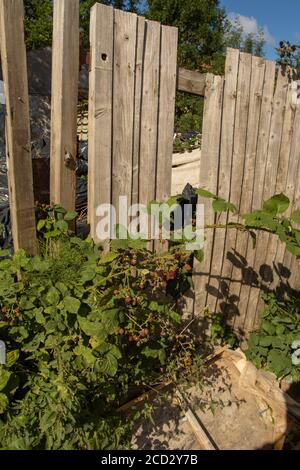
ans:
(191, 81)
(267, 242)
(149, 117)
(100, 110)
(65, 72)
(125, 29)
(228, 302)
(256, 89)
(138, 107)
(208, 180)
(18, 141)
(224, 174)
(254, 255)
(132, 104)
(166, 117)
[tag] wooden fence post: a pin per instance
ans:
(65, 71)
(14, 67)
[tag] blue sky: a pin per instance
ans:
(280, 19)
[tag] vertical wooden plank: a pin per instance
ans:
(246, 306)
(228, 302)
(137, 107)
(293, 186)
(167, 92)
(166, 116)
(100, 110)
(65, 71)
(14, 68)
(125, 35)
(285, 166)
(149, 127)
(265, 252)
(224, 175)
(256, 90)
(208, 180)
(230, 270)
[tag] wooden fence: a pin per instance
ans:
(131, 109)
(250, 151)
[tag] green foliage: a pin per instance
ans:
(289, 56)
(250, 42)
(82, 328)
(188, 112)
(272, 345)
(38, 23)
(201, 29)
(220, 333)
(271, 219)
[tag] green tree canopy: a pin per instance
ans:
(202, 25)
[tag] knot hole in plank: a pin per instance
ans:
(104, 57)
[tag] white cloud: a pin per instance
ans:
(250, 25)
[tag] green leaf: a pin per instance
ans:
(4, 377)
(62, 225)
(108, 257)
(199, 255)
(41, 224)
(268, 327)
(110, 320)
(293, 248)
(219, 205)
(12, 357)
(297, 236)
(91, 328)
(266, 341)
(279, 363)
(70, 215)
(276, 204)
(109, 364)
(296, 217)
(71, 304)
(4, 402)
(204, 193)
(53, 297)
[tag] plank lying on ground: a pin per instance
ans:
(200, 432)
(18, 147)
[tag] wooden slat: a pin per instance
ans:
(293, 171)
(18, 146)
(191, 81)
(167, 90)
(290, 261)
(166, 117)
(252, 254)
(100, 110)
(256, 90)
(208, 179)
(149, 127)
(65, 70)
(149, 117)
(137, 108)
(285, 166)
(125, 32)
(228, 303)
(224, 175)
(264, 258)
